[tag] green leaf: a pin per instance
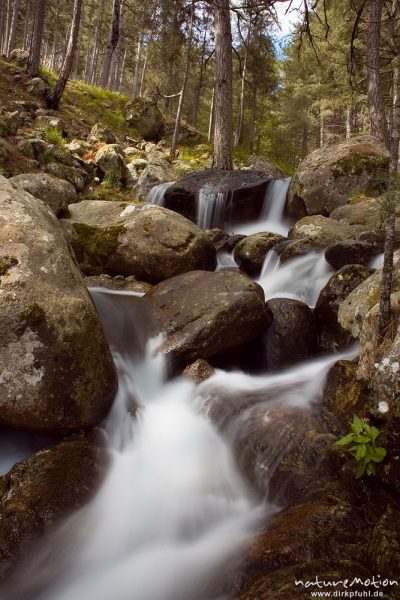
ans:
(374, 433)
(361, 452)
(345, 439)
(360, 470)
(370, 469)
(357, 424)
(361, 439)
(379, 454)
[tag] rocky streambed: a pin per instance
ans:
(214, 466)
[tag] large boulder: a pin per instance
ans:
(212, 198)
(56, 373)
(147, 241)
(250, 252)
(101, 133)
(264, 165)
(43, 489)
(110, 159)
(150, 175)
(144, 115)
(292, 335)
(56, 193)
(327, 177)
(352, 252)
(331, 334)
(204, 315)
(73, 173)
(20, 57)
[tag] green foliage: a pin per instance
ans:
(364, 449)
(111, 181)
(53, 136)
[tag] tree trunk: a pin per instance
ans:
(349, 124)
(122, 72)
(395, 130)
(13, 27)
(211, 118)
(25, 39)
(387, 273)
(112, 43)
(252, 134)
(201, 76)
(36, 44)
(96, 44)
(175, 137)
(53, 100)
(223, 87)
(2, 25)
(239, 128)
(138, 58)
(376, 106)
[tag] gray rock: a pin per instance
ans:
(56, 373)
(56, 193)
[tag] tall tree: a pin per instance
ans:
(223, 87)
(13, 27)
(53, 99)
(112, 42)
(37, 37)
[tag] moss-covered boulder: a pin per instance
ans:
(205, 315)
(56, 193)
(110, 160)
(147, 241)
(344, 395)
(328, 177)
(56, 371)
(331, 334)
(101, 133)
(41, 490)
(250, 252)
(144, 115)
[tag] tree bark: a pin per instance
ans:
(211, 118)
(387, 273)
(53, 100)
(223, 87)
(96, 44)
(3, 17)
(112, 43)
(377, 114)
(175, 137)
(13, 27)
(36, 44)
(138, 58)
(25, 39)
(239, 128)
(349, 124)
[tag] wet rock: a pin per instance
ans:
(39, 491)
(56, 193)
(101, 133)
(384, 545)
(199, 371)
(151, 175)
(327, 177)
(147, 241)
(110, 159)
(204, 315)
(323, 231)
(144, 115)
(126, 284)
(351, 252)
(344, 395)
(264, 165)
(244, 192)
(292, 336)
(250, 252)
(56, 373)
(331, 334)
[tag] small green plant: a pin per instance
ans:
(111, 181)
(53, 136)
(364, 450)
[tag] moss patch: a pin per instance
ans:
(357, 163)
(94, 245)
(33, 315)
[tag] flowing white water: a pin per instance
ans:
(271, 218)
(300, 278)
(157, 193)
(211, 207)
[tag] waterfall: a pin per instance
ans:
(211, 207)
(157, 193)
(300, 278)
(272, 214)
